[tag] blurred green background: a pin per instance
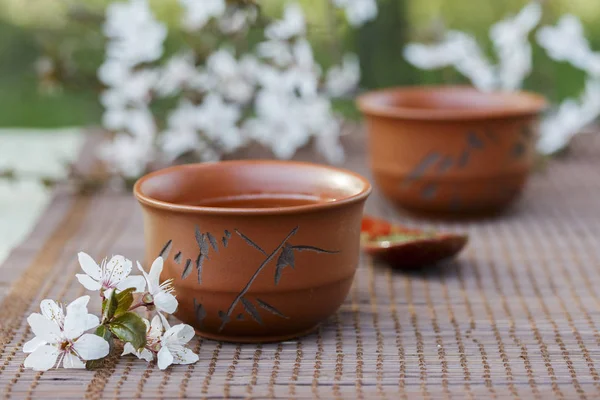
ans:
(69, 30)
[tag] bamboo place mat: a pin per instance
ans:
(516, 316)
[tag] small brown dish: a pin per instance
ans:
(258, 251)
(402, 247)
(451, 150)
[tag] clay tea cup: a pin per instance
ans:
(451, 150)
(258, 251)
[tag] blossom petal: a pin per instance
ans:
(165, 302)
(138, 282)
(129, 349)
(53, 311)
(146, 277)
(117, 269)
(157, 327)
(165, 358)
(88, 282)
(72, 361)
(185, 334)
(43, 358)
(91, 347)
(43, 328)
(171, 336)
(164, 321)
(77, 319)
(146, 355)
(33, 344)
(183, 355)
(79, 305)
(154, 274)
(178, 334)
(89, 266)
(91, 322)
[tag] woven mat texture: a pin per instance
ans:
(516, 316)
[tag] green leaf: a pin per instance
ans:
(130, 328)
(124, 301)
(109, 306)
(103, 332)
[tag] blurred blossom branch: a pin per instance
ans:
(566, 42)
(510, 38)
(199, 90)
(461, 51)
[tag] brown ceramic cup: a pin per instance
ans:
(451, 150)
(258, 251)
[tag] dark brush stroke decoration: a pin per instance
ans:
(313, 248)
(200, 312)
(428, 161)
(224, 317)
(177, 258)
(474, 141)
(429, 191)
(213, 241)
(444, 165)
(265, 262)
(199, 265)
(518, 150)
(239, 317)
(464, 159)
(491, 135)
(250, 242)
(225, 239)
(164, 253)
(201, 240)
(286, 258)
(270, 308)
(251, 310)
(187, 269)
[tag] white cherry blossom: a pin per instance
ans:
(127, 155)
(136, 36)
(218, 121)
(292, 24)
(178, 72)
(160, 294)
(167, 343)
(343, 79)
(461, 50)
(60, 337)
(197, 13)
(566, 42)
(172, 345)
(153, 334)
(458, 49)
(233, 79)
(569, 119)
(511, 42)
(237, 19)
(110, 274)
(358, 12)
(277, 51)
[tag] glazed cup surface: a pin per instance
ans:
(247, 274)
(451, 150)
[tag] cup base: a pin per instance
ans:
(255, 339)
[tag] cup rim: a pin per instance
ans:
(370, 104)
(168, 206)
